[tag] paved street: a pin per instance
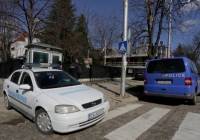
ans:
(149, 118)
(70, 64)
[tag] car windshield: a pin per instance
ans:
(166, 66)
(54, 79)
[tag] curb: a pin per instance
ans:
(101, 79)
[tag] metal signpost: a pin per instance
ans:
(123, 48)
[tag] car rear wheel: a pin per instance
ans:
(6, 102)
(43, 122)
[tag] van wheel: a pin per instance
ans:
(6, 102)
(194, 100)
(43, 122)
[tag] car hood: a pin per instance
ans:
(73, 95)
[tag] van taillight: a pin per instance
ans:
(188, 81)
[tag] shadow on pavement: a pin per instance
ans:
(116, 93)
(14, 121)
(138, 91)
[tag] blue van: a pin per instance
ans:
(173, 77)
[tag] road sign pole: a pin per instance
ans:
(124, 63)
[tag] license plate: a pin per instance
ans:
(164, 82)
(95, 114)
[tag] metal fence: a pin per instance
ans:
(96, 71)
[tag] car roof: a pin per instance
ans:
(184, 58)
(43, 69)
(39, 69)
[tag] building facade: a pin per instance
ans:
(18, 48)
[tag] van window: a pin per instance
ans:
(40, 57)
(55, 59)
(166, 66)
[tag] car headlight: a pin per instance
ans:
(65, 109)
(104, 98)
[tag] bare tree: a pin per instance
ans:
(8, 28)
(31, 13)
(152, 14)
(105, 31)
(152, 18)
(196, 47)
(190, 50)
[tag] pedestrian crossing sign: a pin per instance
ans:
(123, 47)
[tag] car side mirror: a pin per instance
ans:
(25, 87)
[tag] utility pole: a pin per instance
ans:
(124, 62)
(169, 30)
(105, 51)
(129, 44)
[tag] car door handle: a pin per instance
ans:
(17, 91)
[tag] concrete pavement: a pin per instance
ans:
(150, 118)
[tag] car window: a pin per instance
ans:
(54, 79)
(26, 79)
(166, 66)
(15, 77)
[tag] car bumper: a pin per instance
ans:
(64, 123)
(186, 96)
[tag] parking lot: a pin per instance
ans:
(156, 118)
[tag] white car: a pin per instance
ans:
(54, 100)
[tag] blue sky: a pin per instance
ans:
(102, 7)
(115, 8)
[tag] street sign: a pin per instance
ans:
(123, 47)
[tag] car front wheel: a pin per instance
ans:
(43, 122)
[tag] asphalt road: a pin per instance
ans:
(150, 118)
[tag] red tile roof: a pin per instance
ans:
(22, 37)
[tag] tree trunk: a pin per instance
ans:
(150, 27)
(160, 23)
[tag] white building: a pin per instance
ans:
(35, 53)
(18, 47)
(142, 49)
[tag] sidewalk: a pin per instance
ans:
(111, 90)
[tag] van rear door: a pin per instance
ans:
(166, 75)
